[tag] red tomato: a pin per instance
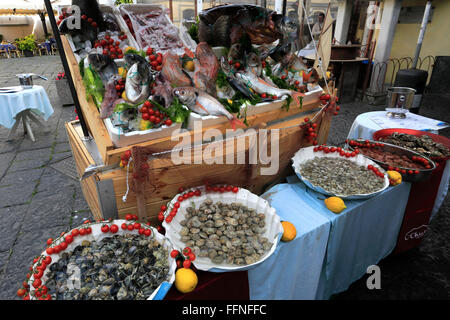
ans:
(144, 109)
(152, 57)
(114, 228)
(146, 116)
(105, 228)
(148, 232)
(168, 122)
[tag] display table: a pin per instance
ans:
(17, 106)
(364, 127)
(360, 236)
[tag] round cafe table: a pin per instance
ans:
(23, 105)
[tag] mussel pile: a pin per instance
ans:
(121, 267)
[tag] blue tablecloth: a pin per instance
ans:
(331, 251)
(293, 270)
(363, 127)
(12, 104)
(360, 236)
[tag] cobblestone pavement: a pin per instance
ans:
(38, 202)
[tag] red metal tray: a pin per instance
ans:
(436, 138)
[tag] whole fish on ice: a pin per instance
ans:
(261, 86)
(103, 65)
(202, 103)
(137, 84)
(206, 68)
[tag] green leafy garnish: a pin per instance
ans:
(176, 111)
(94, 86)
(193, 31)
(124, 106)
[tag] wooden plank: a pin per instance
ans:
(96, 126)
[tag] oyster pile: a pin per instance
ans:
(340, 176)
(230, 233)
(424, 144)
(121, 267)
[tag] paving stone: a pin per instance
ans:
(22, 177)
(53, 182)
(10, 222)
(31, 159)
(15, 194)
(5, 160)
(28, 246)
(3, 261)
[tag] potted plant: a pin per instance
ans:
(27, 45)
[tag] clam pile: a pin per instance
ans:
(230, 233)
(340, 176)
(121, 267)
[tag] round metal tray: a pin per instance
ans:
(424, 174)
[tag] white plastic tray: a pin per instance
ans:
(121, 139)
(305, 154)
(98, 235)
(273, 228)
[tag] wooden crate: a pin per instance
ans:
(166, 176)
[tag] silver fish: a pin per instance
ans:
(202, 103)
(103, 65)
(137, 84)
(261, 86)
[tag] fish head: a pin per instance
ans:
(225, 66)
(288, 28)
(186, 95)
(253, 60)
(132, 58)
(99, 61)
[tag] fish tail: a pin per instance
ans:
(235, 121)
(298, 97)
(306, 76)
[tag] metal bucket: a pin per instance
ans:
(400, 100)
(26, 79)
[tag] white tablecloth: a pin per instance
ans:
(12, 104)
(363, 127)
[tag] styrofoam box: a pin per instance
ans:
(273, 229)
(208, 121)
(106, 9)
(145, 8)
(98, 235)
(121, 139)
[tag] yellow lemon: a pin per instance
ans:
(124, 96)
(189, 65)
(395, 177)
(129, 48)
(144, 125)
(289, 232)
(185, 280)
(335, 204)
(122, 72)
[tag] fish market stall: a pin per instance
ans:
(157, 99)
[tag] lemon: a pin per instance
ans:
(122, 72)
(289, 232)
(335, 204)
(129, 48)
(189, 65)
(395, 177)
(124, 96)
(144, 125)
(185, 280)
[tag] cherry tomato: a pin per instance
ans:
(152, 57)
(264, 96)
(235, 190)
(141, 231)
(191, 256)
(130, 227)
(148, 232)
(82, 232)
(48, 260)
(168, 122)
(174, 253)
(37, 283)
(21, 292)
(137, 225)
(114, 228)
(123, 226)
(49, 250)
(149, 51)
(105, 228)
(146, 116)
(237, 65)
(63, 245)
(186, 264)
(163, 208)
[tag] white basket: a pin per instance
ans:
(98, 235)
(305, 154)
(277, 104)
(145, 8)
(106, 9)
(273, 232)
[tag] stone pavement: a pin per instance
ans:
(38, 202)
